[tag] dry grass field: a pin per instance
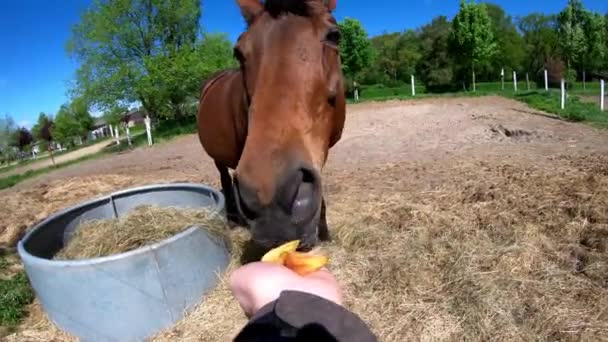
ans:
(453, 219)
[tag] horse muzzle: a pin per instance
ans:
(293, 213)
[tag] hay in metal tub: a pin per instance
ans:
(133, 295)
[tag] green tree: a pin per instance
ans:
(43, 129)
(435, 67)
(541, 43)
(386, 62)
(472, 40)
(43, 132)
(175, 79)
(22, 139)
(605, 66)
(408, 54)
(573, 42)
(396, 56)
(509, 53)
(595, 35)
(355, 48)
(37, 128)
(66, 127)
(7, 129)
(117, 41)
(72, 121)
(79, 108)
(113, 116)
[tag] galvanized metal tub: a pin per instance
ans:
(129, 296)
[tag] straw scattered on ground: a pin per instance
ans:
(498, 252)
(24, 208)
(143, 226)
(39, 328)
(468, 234)
(465, 250)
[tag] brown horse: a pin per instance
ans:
(274, 120)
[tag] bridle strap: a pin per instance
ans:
(246, 95)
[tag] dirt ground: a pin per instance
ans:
(454, 219)
(85, 151)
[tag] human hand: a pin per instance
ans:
(256, 284)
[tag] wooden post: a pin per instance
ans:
(528, 81)
(546, 81)
(515, 80)
(50, 149)
(563, 94)
(602, 93)
(413, 86)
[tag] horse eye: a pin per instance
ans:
(334, 35)
(332, 98)
(239, 55)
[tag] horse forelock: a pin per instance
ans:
(304, 8)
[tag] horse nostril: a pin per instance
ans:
(303, 202)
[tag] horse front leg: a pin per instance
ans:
(232, 213)
(323, 231)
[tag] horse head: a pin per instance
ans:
(290, 63)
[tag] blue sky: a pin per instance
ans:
(35, 70)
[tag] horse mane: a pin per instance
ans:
(303, 8)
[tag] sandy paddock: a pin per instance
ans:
(453, 219)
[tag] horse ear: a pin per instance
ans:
(331, 4)
(250, 9)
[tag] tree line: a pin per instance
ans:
(480, 42)
(70, 125)
(147, 52)
(154, 53)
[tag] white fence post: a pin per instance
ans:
(128, 134)
(148, 130)
(111, 131)
(474, 85)
(515, 80)
(502, 78)
(117, 135)
(413, 86)
(584, 80)
(603, 93)
(563, 93)
(546, 81)
(528, 81)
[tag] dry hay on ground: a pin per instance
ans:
(38, 328)
(499, 252)
(495, 252)
(140, 227)
(491, 251)
(22, 209)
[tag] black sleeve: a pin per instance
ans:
(299, 316)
